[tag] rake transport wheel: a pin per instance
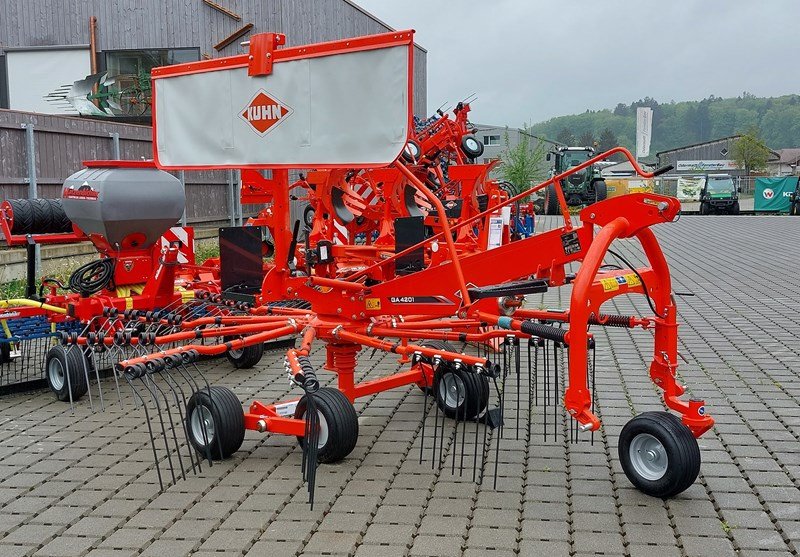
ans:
(244, 358)
(460, 393)
(411, 151)
(215, 422)
(471, 146)
(65, 371)
(338, 424)
(436, 345)
(308, 216)
(659, 454)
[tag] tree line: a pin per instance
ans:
(675, 124)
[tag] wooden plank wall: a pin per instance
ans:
(63, 142)
(125, 24)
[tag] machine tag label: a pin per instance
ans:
(632, 280)
(609, 284)
(285, 409)
(419, 300)
(373, 303)
(570, 243)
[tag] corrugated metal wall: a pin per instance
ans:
(123, 24)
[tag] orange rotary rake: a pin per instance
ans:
(385, 303)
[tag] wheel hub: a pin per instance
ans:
(202, 425)
(452, 390)
(648, 457)
(55, 371)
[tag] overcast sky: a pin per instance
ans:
(531, 60)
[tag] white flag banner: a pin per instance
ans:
(644, 130)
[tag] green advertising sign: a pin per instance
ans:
(772, 194)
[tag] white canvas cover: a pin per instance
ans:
(349, 108)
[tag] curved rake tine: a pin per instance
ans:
(424, 414)
(517, 365)
(455, 426)
(171, 422)
(176, 388)
(196, 388)
(163, 429)
(149, 429)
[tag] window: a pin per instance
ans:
(130, 69)
(490, 140)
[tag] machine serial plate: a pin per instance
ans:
(570, 243)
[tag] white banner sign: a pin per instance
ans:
(644, 130)
(705, 166)
(689, 188)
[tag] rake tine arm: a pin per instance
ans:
(216, 349)
(408, 349)
(438, 335)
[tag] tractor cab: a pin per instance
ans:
(719, 195)
(581, 188)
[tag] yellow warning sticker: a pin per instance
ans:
(632, 280)
(373, 303)
(609, 284)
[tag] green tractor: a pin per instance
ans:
(719, 195)
(582, 188)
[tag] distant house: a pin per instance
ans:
(715, 155)
(494, 142)
(784, 162)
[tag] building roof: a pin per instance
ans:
(380, 21)
(786, 156)
(710, 141)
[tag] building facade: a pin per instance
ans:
(47, 44)
(710, 156)
(497, 139)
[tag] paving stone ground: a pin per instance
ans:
(83, 483)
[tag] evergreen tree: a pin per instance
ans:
(586, 139)
(566, 137)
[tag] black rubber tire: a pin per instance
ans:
(308, 215)
(341, 420)
(411, 151)
(42, 216)
(551, 206)
(435, 344)
(65, 371)
(476, 393)
(735, 210)
(471, 146)
(600, 190)
(247, 357)
(269, 249)
(228, 421)
(681, 448)
(703, 208)
(22, 211)
(61, 222)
